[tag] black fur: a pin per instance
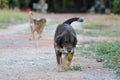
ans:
(66, 29)
(65, 40)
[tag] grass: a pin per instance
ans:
(76, 68)
(112, 17)
(95, 28)
(95, 25)
(9, 17)
(87, 50)
(96, 33)
(108, 51)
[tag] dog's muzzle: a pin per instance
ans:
(65, 50)
(68, 50)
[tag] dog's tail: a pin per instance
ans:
(31, 20)
(79, 19)
(31, 17)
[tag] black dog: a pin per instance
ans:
(65, 41)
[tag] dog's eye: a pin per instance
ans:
(72, 42)
(66, 41)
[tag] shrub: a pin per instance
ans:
(3, 4)
(18, 3)
(14, 3)
(116, 6)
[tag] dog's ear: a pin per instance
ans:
(75, 41)
(59, 41)
(34, 20)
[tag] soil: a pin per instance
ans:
(25, 59)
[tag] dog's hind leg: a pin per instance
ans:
(33, 31)
(40, 34)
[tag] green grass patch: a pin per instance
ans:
(94, 29)
(95, 33)
(55, 22)
(76, 68)
(108, 51)
(87, 50)
(9, 17)
(52, 24)
(95, 25)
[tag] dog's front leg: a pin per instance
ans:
(67, 62)
(59, 61)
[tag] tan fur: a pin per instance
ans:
(36, 25)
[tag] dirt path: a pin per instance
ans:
(24, 59)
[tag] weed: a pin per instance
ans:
(76, 68)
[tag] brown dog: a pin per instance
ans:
(36, 25)
(65, 41)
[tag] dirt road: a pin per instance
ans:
(24, 59)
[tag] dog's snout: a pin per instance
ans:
(69, 50)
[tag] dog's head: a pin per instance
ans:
(67, 41)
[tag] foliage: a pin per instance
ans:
(24, 2)
(68, 3)
(14, 3)
(116, 6)
(3, 4)
(18, 3)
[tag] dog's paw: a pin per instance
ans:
(39, 37)
(66, 68)
(60, 68)
(30, 39)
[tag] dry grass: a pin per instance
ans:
(9, 17)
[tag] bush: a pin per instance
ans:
(116, 6)
(68, 3)
(14, 3)
(3, 4)
(19, 3)
(24, 3)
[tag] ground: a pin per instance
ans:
(25, 59)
